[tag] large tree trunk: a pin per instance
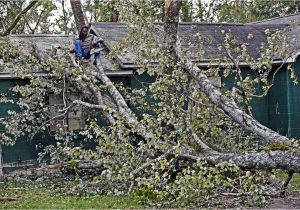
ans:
(278, 159)
(230, 107)
(78, 14)
(172, 8)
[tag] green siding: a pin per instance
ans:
(279, 110)
(278, 106)
(259, 106)
(23, 149)
(293, 99)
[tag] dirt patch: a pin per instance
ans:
(285, 203)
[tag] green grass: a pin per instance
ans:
(45, 195)
(294, 185)
(32, 196)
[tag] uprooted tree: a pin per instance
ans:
(190, 140)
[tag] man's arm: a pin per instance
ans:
(97, 41)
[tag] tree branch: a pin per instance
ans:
(284, 160)
(122, 106)
(18, 17)
(97, 93)
(230, 107)
(93, 106)
(240, 78)
(286, 183)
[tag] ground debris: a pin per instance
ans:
(6, 199)
(285, 203)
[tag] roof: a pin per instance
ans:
(294, 28)
(188, 33)
(43, 41)
(289, 19)
(47, 42)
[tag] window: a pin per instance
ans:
(72, 121)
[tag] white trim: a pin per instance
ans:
(207, 63)
(40, 35)
(45, 74)
(4, 75)
(119, 73)
(242, 64)
(274, 18)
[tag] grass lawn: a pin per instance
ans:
(30, 195)
(43, 195)
(294, 185)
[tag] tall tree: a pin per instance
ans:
(78, 14)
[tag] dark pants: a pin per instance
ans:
(83, 53)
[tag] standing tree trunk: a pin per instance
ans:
(114, 13)
(171, 11)
(78, 14)
(228, 105)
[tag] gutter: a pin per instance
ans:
(111, 73)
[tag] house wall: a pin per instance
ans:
(259, 106)
(284, 102)
(279, 110)
(25, 149)
(293, 101)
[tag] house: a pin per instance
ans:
(279, 110)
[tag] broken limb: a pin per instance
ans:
(205, 85)
(18, 17)
(230, 107)
(97, 93)
(285, 184)
(286, 161)
(122, 106)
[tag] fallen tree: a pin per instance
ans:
(154, 148)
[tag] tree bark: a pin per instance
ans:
(257, 160)
(284, 160)
(114, 12)
(172, 8)
(229, 106)
(78, 14)
(122, 106)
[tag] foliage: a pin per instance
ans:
(166, 109)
